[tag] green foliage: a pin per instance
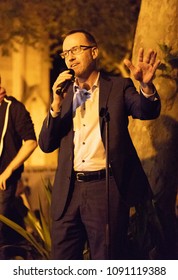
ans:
(145, 232)
(27, 235)
(41, 23)
(39, 234)
(37, 231)
(170, 62)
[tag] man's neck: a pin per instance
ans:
(88, 82)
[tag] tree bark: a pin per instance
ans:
(157, 141)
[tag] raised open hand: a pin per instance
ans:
(146, 66)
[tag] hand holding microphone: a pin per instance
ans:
(59, 88)
(63, 81)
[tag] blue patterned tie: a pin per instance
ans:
(81, 95)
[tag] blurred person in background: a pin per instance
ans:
(17, 143)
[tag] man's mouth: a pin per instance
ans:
(73, 65)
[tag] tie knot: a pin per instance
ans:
(84, 93)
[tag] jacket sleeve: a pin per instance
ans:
(138, 106)
(54, 130)
(49, 138)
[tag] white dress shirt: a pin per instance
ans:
(89, 151)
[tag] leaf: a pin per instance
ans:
(27, 235)
(34, 223)
(45, 229)
(47, 188)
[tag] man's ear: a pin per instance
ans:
(95, 52)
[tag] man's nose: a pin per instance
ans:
(71, 56)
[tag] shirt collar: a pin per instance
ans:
(95, 85)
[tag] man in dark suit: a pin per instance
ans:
(89, 201)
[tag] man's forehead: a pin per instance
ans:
(73, 40)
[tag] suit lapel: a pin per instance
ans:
(104, 92)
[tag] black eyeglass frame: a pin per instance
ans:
(65, 54)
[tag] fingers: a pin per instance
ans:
(140, 55)
(153, 58)
(3, 186)
(129, 64)
(63, 76)
(155, 65)
(150, 58)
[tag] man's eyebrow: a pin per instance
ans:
(70, 48)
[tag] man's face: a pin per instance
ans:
(2, 93)
(83, 63)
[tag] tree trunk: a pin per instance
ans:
(157, 141)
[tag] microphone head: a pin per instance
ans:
(64, 86)
(71, 71)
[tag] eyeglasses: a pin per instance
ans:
(75, 50)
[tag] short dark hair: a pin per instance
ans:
(88, 35)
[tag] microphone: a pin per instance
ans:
(64, 86)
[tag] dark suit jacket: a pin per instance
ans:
(120, 99)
